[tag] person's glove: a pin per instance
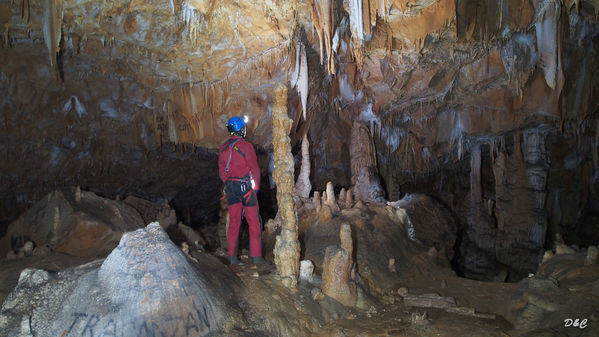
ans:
(254, 187)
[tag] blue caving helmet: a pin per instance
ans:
(236, 126)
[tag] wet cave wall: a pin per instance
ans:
(489, 107)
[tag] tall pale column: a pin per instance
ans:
(287, 247)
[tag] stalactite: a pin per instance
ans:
(476, 193)
(549, 43)
(596, 148)
(295, 74)
(302, 185)
(6, 35)
(299, 79)
(324, 17)
(25, 11)
(366, 20)
(52, 24)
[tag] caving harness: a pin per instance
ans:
(245, 183)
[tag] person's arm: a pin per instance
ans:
(221, 166)
(252, 162)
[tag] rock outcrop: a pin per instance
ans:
(563, 289)
(74, 222)
(145, 286)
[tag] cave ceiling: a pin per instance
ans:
(199, 62)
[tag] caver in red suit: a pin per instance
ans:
(238, 169)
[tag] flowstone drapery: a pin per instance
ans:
(287, 247)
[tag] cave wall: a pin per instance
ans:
(491, 107)
(481, 121)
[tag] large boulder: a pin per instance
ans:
(73, 222)
(563, 289)
(145, 287)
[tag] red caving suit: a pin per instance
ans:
(242, 165)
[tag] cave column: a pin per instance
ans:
(364, 171)
(287, 247)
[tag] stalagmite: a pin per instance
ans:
(302, 185)
(337, 265)
(342, 195)
(326, 214)
(330, 194)
(317, 201)
(596, 148)
(223, 223)
(349, 199)
(78, 194)
(287, 247)
(591, 257)
(52, 24)
(364, 172)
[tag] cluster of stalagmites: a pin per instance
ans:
(565, 285)
(561, 248)
(337, 274)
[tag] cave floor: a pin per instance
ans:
(488, 299)
(270, 301)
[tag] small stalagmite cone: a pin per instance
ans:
(342, 195)
(325, 214)
(330, 194)
(359, 205)
(349, 198)
(316, 201)
(345, 238)
(592, 254)
(78, 194)
(548, 255)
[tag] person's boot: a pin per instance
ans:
(233, 260)
(258, 260)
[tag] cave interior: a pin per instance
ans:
(473, 123)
